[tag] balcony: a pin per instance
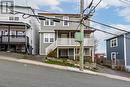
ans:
(13, 39)
(68, 42)
(71, 42)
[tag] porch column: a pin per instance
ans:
(8, 37)
(26, 41)
(57, 35)
(74, 54)
(57, 52)
(69, 37)
(93, 60)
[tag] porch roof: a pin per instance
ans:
(8, 23)
(88, 31)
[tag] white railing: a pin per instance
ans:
(68, 42)
(71, 42)
(51, 47)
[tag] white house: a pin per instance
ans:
(18, 33)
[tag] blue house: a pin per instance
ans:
(118, 50)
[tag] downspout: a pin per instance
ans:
(125, 59)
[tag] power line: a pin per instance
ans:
(108, 25)
(44, 17)
(92, 9)
(104, 31)
(100, 30)
(125, 2)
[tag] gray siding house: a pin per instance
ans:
(118, 50)
(57, 39)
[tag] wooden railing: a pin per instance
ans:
(13, 38)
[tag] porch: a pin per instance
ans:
(13, 36)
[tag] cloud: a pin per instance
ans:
(125, 12)
(37, 3)
(55, 9)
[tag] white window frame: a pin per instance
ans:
(49, 36)
(49, 22)
(66, 18)
(113, 41)
(115, 53)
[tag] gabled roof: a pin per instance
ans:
(14, 23)
(118, 35)
(59, 14)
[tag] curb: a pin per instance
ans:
(64, 68)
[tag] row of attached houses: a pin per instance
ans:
(28, 35)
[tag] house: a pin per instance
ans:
(57, 38)
(118, 49)
(99, 57)
(18, 34)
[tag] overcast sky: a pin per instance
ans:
(112, 12)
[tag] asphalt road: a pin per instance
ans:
(14, 74)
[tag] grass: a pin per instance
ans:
(59, 62)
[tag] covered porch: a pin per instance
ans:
(13, 36)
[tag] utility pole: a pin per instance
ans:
(82, 35)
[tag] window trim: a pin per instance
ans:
(44, 22)
(115, 53)
(112, 41)
(49, 36)
(66, 18)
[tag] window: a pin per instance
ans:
(49, 37)
(46, 40)
(7, 7)
(16, 18)
(12, 32)
(49, 22)
(65, 23)
(13, 18)
(113, 57)
(20, 33)
(114, 42)
(87, 51)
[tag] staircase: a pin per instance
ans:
(51, 48)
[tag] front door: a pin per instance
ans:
(113, 59)
(64, 39)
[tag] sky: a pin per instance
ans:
(111, 12)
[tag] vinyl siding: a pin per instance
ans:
(128, 49)
(119, 49)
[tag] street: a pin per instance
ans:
(14, 74)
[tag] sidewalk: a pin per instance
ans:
(64, 68)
